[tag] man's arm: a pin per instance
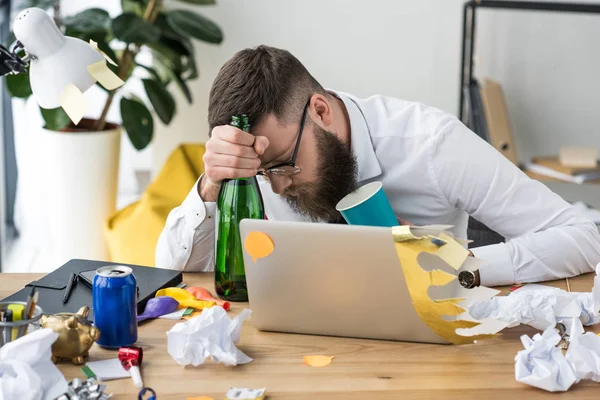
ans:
(188, 239)
(547, 238)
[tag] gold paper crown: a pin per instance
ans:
(418, 281)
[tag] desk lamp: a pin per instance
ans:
(55, 61)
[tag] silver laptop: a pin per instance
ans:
(334, 280)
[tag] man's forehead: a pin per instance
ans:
(279, 134)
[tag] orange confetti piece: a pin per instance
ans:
(317, 361)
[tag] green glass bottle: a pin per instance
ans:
(238, 199)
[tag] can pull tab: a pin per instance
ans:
(145, 391)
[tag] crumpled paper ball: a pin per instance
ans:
(544, 365)
(540, 308)
(211, 334)
(26, 369)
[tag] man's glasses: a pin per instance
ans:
(288, 168)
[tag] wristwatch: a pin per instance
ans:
(467, 279)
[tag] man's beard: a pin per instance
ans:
(336, 177)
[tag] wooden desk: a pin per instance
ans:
(362, 369)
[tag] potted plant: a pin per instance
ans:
(80, 174)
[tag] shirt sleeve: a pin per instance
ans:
(188, 238)
(546, 237)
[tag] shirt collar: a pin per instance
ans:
(360, 138)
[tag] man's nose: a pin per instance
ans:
(280, 183)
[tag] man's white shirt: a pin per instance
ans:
(434, 170)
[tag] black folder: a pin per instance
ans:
(52, 286)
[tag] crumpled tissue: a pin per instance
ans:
(538, 307)
(544, 365)
(211, 334)
(541, 306)
(27, 371)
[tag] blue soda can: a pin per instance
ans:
(114, 301)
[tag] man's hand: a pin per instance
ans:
(230, 153)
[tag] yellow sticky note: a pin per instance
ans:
(317, 361)
(259, 245)
(100, 72)
(106, 57)
(73, 102)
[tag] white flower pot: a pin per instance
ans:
(80, 181)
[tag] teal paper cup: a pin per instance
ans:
(368, 205)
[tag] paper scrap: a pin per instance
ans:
(100, 72)
(26, 369)
(420, 274)
(211, 334)
(318, 361)
(106, 57)
(73, 102)
(106, 370)
(175, 315)
(258, 245)
(245, 394)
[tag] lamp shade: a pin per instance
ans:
(57, 60)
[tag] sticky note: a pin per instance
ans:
(259, 245)
(100, 72)
(106, 57)
(106, 370)
(317, 361)
(73, 102)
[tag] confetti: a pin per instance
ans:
(317, 361)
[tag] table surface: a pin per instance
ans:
(362, 369)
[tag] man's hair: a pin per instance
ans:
(260, 81)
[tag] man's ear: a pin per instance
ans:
(320, 110)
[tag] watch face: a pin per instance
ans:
(466, 279)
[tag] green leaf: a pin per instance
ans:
(138, 123)
(130, 28)
(18, 85)
(56, 119)
(182, 85)
(191, 69)
(162, 101)
(166, 57)
(188, 23)
(152, 72)
(200, 2)
(88, 21)
(132, 6)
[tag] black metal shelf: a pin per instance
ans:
(469, 31)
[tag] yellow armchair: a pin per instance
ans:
(132, 233)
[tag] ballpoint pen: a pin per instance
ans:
(70, 286)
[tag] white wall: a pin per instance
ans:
(403, 48)
(547, 63)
